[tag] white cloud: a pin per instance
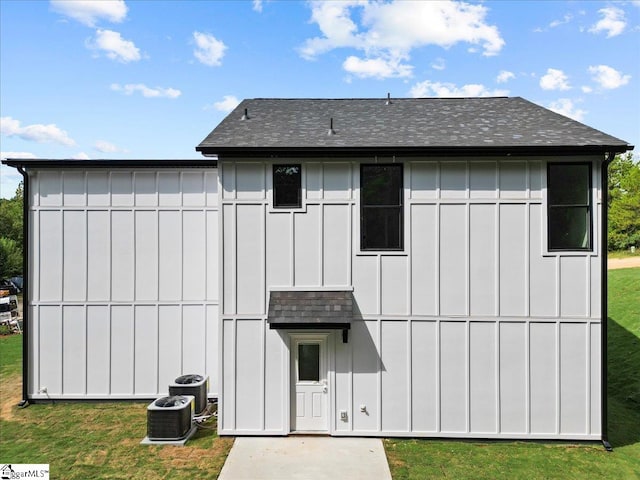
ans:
(257, 5)
(586, 89)
(5, 155)
(612, 22)
(439, 64)
(209, 50)
(228, 103)
(35, 133)
(441, 89)
(608, 77)
(566, 19)
(387, 32)
(376, 67)
(554, 80)
(158, 92)
(565, 106)
(81, 156)
(116, 47)
(504, 76)
(89, 12)
(106, 147)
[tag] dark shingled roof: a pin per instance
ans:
(332, 309)
(430, 125)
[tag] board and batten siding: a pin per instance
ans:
(474, 330)
(124, 281)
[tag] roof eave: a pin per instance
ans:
(484, 151)
(109, 163)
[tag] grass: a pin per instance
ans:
(101, 440)
(94, 440)
(624, 253)
(420, 459)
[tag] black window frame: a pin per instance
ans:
(366, 208)
(568, 206)
(276, 185)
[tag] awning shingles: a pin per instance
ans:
(311, 309)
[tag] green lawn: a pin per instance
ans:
(101, 440)
(421, 459)
(94, 440)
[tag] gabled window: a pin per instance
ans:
(381, 209)
(569, 209)
(287, 190)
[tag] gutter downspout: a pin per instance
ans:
(25, 288)
(604, 314)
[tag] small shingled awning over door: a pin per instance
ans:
(311, 310)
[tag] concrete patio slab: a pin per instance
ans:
(306, 458)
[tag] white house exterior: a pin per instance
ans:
(415, 267)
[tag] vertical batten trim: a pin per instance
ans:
(558, 378)
(351, 397)
(379, 375)
(409, 334)
(527, 258)
(321, 182)
(558, 272)
(110, 307)
(438, 376)
(589, 285)
(467, 263)
(436, 270)
(467, 365)
(263, 262)
(234, 354)
(133, 344)
(263, 371)
(61, 312)
(157, 311)
(182, 252)
(86, 347)
(234, 270)
(110, 296)
(527, 373)
(321, 254)
(588, 376)
(134, 251)
(497, 368)
(61, 211)
(292, 239)
(350, 251)
(379, 283)
(498, 260)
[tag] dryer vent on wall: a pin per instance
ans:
(195, 385)
(170, 418)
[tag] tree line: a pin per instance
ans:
(623, 201)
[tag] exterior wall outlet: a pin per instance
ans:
(363, 408)
(343, 415)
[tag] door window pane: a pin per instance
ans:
(309, 362)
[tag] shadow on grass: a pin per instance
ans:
(624, 385)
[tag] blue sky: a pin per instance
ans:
(147, 79)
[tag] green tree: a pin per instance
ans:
(10, 258)
(11, 234)
(624, 203)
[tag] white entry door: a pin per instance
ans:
(310, 389)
